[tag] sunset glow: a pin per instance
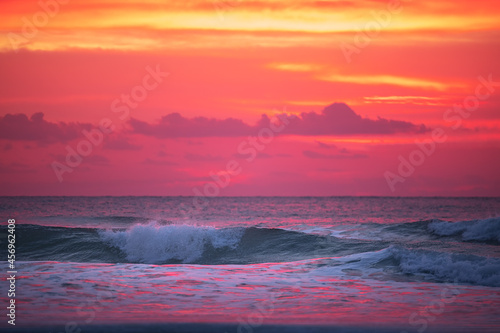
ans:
(184, 84)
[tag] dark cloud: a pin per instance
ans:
(259, 155)
(176, 126)
(316, 155)
(35, 128)
(325, 145)
(263, 155)
(96, 160)
(150, 161)
(336, 119)
(120, 143)
(340, 119)
(93, 159)
(162, 153)
(202, 158)
(16, 167)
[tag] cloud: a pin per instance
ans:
(93, 159)
(401, 81)
(259, 155)
(340, 119)
(336, 119)
(162, 153)
(96, 160)
(202, 158)
(316, 155)
(20, 127)
(263, 155)
(121, 143)
(325, 145)
(15, 167)
(176, 126)
(150, 161)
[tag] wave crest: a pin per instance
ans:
(487, 230)
(153, 243)
(446, 267)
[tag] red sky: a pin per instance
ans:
(357, 81)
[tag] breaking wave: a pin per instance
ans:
(487, 230)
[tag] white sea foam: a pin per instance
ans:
(153, 243)
(478, 230)
(459, 268)
(429, 265)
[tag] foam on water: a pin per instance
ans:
(447, 267)
(356, 264)
(416, 264)
(141, 293)
(425, 258)
(476, 230)
(153, 243)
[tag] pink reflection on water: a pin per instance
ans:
(101, 294)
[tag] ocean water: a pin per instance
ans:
(256, 264)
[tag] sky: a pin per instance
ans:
(240, 97)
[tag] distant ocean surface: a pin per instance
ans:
(254, 264)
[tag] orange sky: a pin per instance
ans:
(398, 65)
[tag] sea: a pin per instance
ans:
(251, 264)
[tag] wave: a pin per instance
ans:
(449, 267)
(480, 231)
(397, 262)
(487, 230)
(160, 243)
(153, 243)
